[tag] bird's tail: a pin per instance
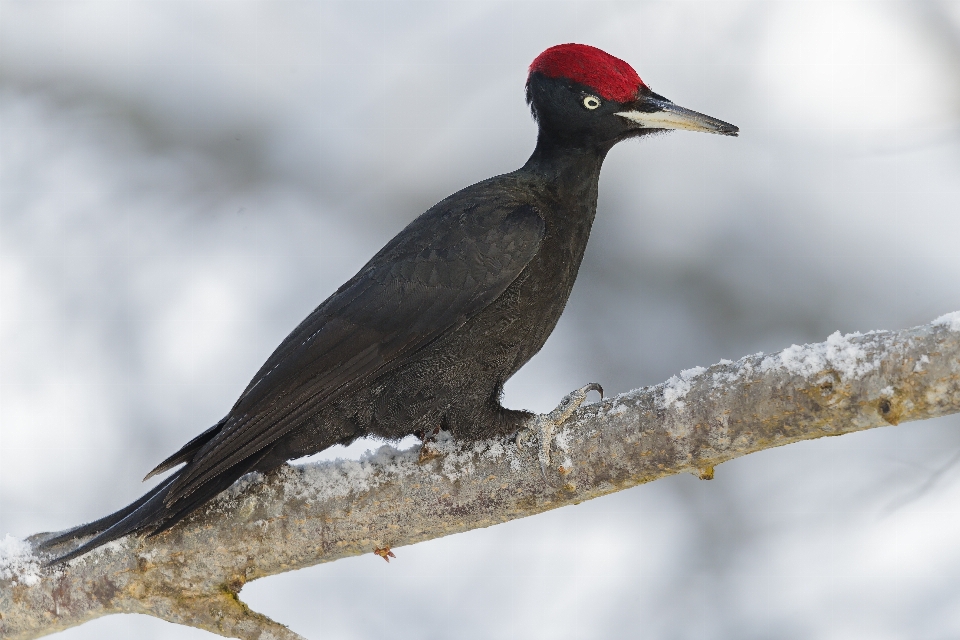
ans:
(151, 512)
(137, 515)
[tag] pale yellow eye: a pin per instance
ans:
(591, 102)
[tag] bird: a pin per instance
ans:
(425, 335)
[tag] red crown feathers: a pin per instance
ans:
(611, 77)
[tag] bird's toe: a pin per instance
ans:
(544, 424)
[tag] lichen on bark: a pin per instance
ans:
(305, 515)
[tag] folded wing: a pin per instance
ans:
(440, 271)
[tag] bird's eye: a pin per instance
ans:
(591, 102)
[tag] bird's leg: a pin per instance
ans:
(544, 424)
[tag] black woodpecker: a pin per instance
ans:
(430, 329)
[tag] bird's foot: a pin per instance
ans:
(427, 452)
(544, 424)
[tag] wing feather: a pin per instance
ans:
(444, 268)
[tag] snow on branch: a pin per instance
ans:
(304, 515)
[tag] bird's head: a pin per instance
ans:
(583, 96)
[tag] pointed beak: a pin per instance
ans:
(653, 111)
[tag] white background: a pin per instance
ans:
(182, 182)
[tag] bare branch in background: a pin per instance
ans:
(303, 516)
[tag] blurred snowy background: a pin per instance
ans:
(182, 182)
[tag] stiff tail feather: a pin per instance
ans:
(104, 523)
(133, 517)
(151, 511)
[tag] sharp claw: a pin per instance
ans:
(545, 424)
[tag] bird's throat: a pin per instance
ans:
(573, 173)
(566, 164)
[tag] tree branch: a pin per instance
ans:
(301, 516)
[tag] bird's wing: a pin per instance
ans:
(440, 271)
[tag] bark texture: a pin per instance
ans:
(305, 515)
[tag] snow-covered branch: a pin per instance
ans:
(305, 515)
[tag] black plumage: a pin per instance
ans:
(430, 329)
